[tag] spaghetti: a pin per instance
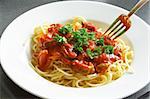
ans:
(77, 55)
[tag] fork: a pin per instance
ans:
(122, 23)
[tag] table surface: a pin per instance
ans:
(10, 9)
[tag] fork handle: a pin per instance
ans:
(137, 7)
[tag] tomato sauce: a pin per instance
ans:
(79, 61)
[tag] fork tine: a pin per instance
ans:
(114, 28)
(111, 26)
(117, 31)
(122, 32)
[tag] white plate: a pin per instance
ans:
(14, 57)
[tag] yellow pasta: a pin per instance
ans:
(62, 74)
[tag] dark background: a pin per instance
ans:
(10, 9)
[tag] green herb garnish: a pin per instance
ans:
(97, 51)
(108, 49)
(66, 29)
(60, 39)
(90, 53)
(100, 41)
(80, 49)
(81, 39)
(91, 36)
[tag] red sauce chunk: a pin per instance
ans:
(43, 58)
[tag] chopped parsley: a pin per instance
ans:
(66, 29)
(97, 51)
(78, 47)
(100, 41)
(91, 36)
(81, 39)
(60, 39)
(108, 49)
(90, 53)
